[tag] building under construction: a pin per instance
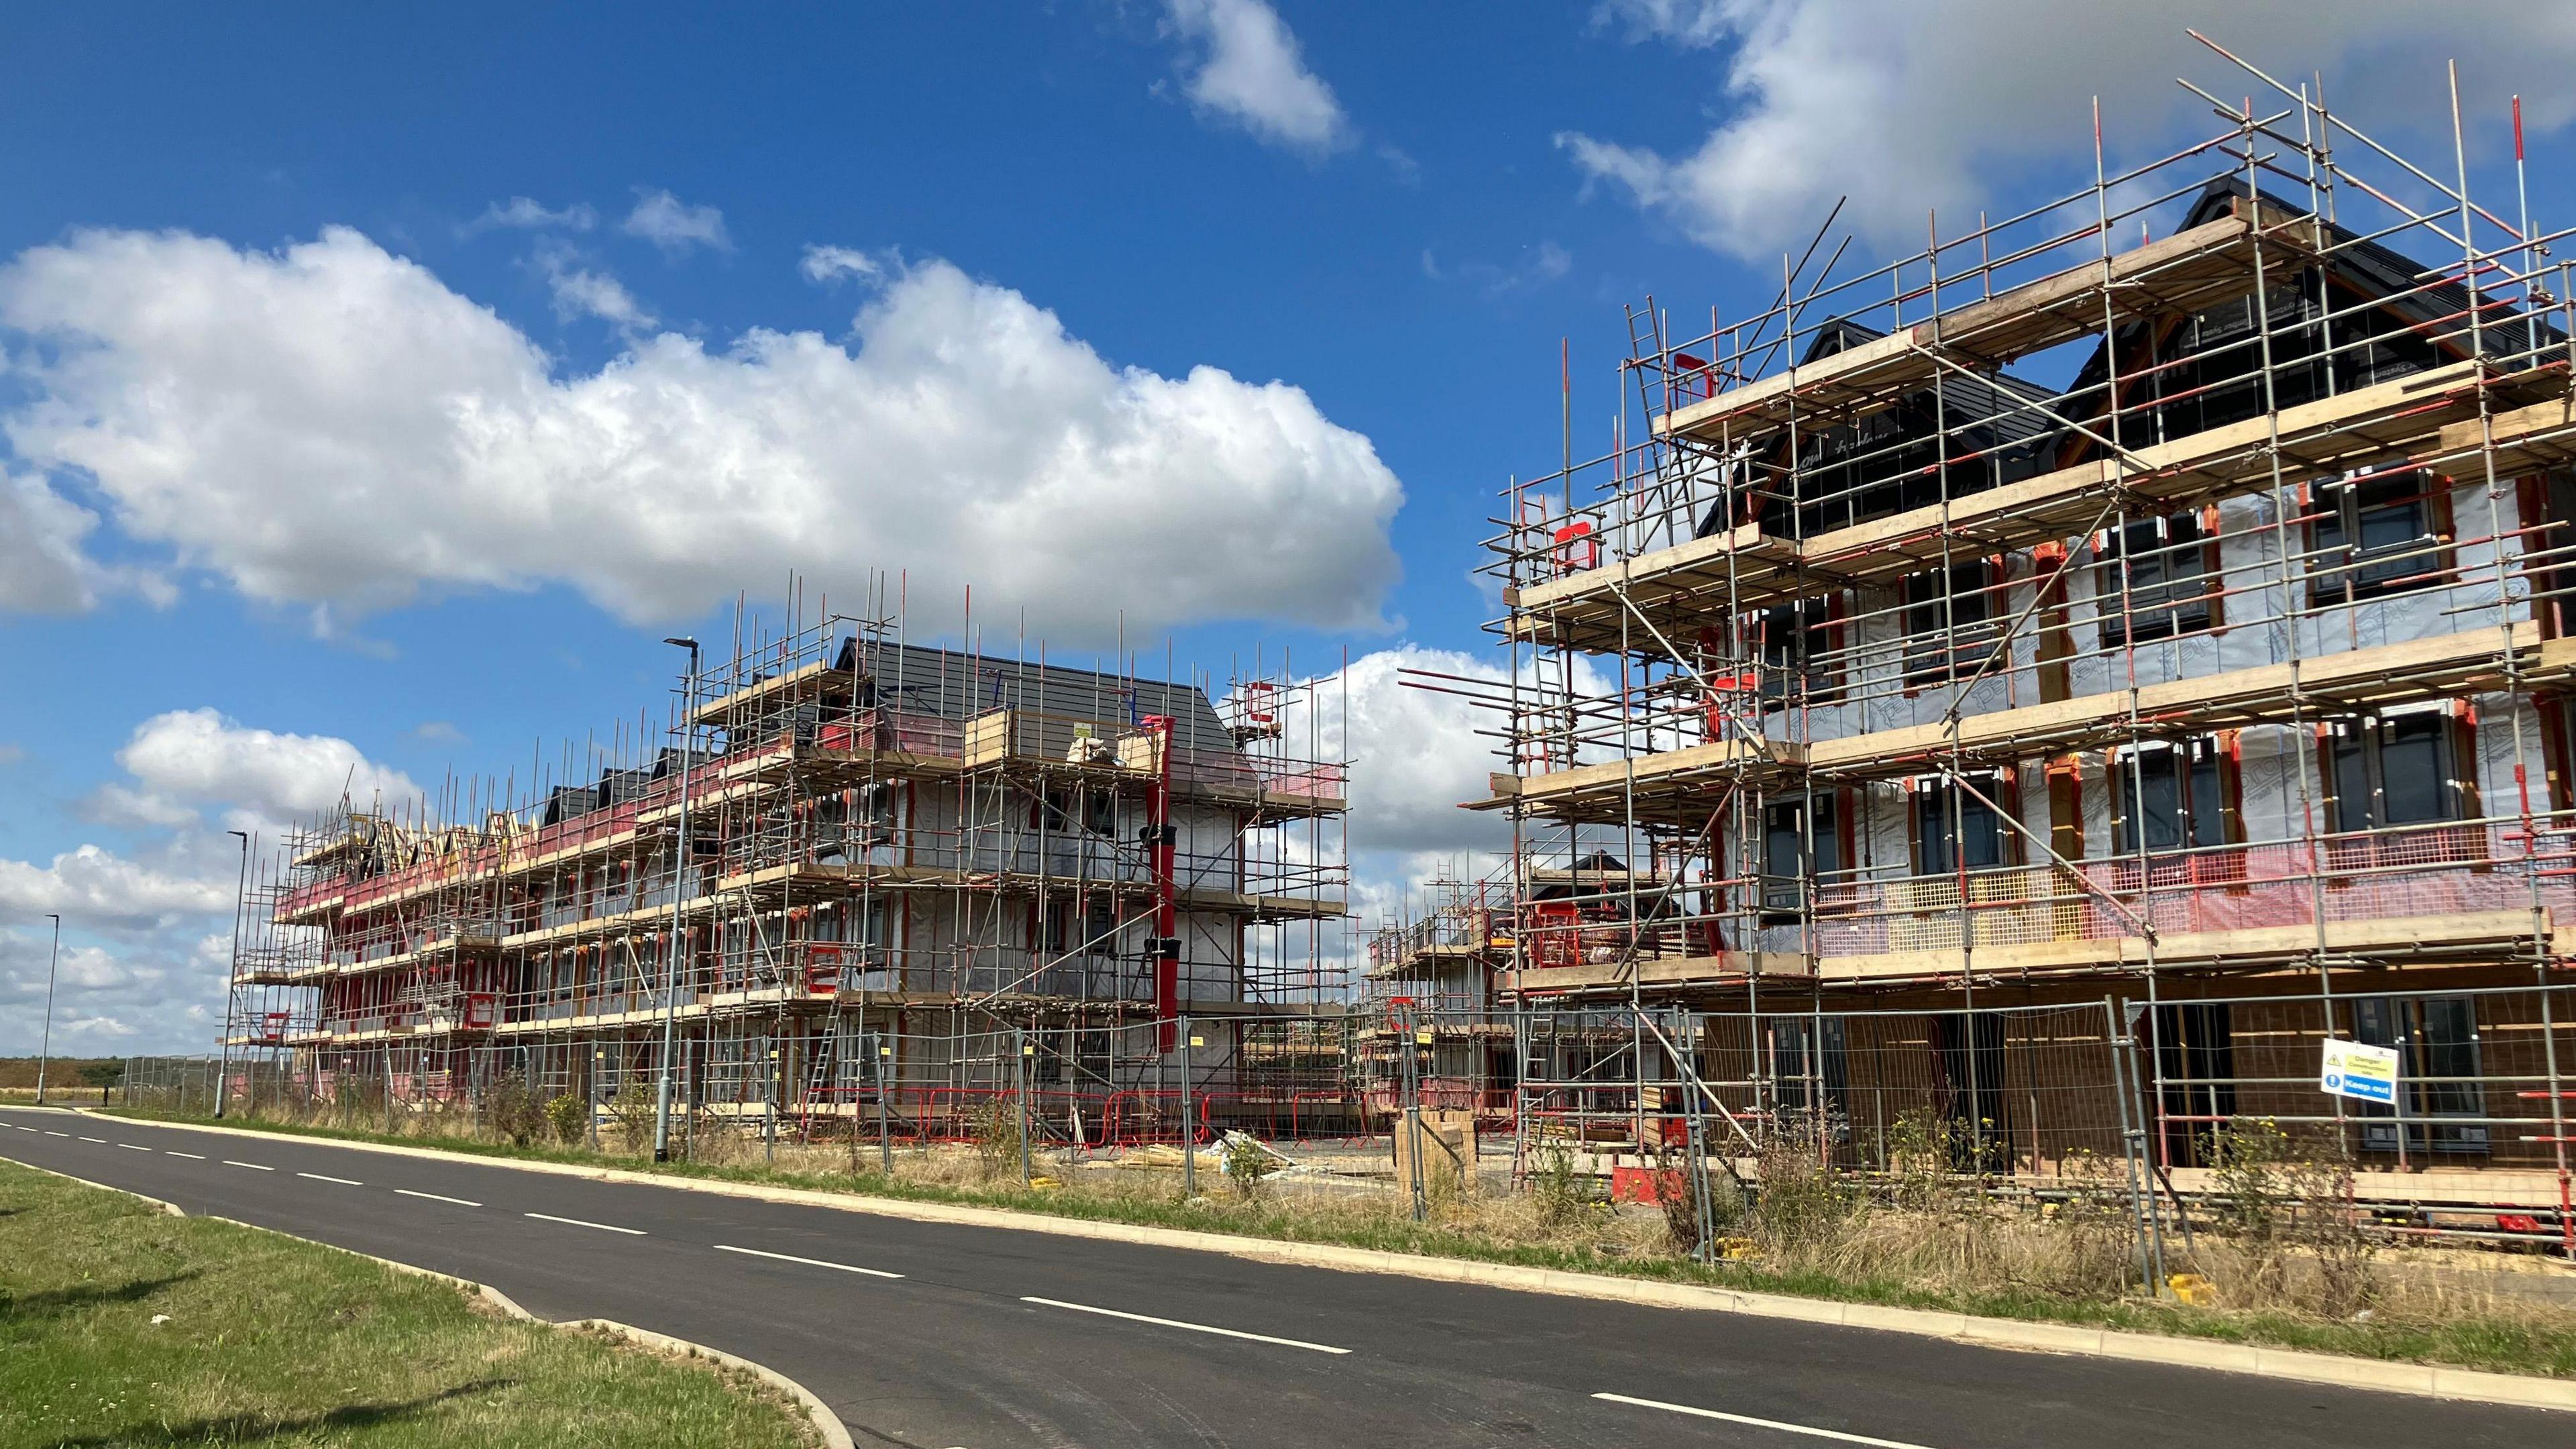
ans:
(2162, 594)
(857, 879)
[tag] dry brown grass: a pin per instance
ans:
(1921, 1232)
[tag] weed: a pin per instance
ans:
(996, 1130)
(1247, 1162)
(568, 1116)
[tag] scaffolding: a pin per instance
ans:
(863, 885)
(1433, 1034)
(2159, 591)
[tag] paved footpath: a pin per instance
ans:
(940, 1334)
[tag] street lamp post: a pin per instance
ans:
(679, 897)
(232, 976)
(45, 1052)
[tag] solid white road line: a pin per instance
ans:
(253, 1166)
(1808, 1430)
(808, 1262)
(1193, 1327)
(438, 1197)
(579, 1223)
(191, 1156)
(130, 1147)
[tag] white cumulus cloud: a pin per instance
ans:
(147, 931)
(1415, 754)
(198, 756)
(96, 887)
(1907, 107)
(1245, 66)
(331, 425)
(42, 567)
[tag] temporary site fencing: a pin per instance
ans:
(2138, 1091)
(1279, 1078)
(2128, 1095)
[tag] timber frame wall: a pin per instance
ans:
(1871, 673)
(903, 860)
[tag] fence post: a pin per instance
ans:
(1020, 1085)
(2131, 1139)
(1695, 1137)
(2149, 1164)
(885, 1107)
(1189, 1118)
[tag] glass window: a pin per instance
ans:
(2173, 792)
(1787, 843)
(1977, 842)
(1799, 1067)
(2164, 564)
(2438, 1071)
(1797, 649)
(2374, 535)
(1946, 623)
(2395, 771)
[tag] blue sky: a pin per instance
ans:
(254, 267)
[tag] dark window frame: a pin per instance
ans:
(1788, 679)
(2426, 1032)
(2193, 774)
(1931, 845)
(2408, 508)
(2358, 769)
(2164, 598)
(1935, 655)
(1820, 834)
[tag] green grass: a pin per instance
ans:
(2543, 1345)
(265, 1339)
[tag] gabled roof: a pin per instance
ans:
(2369, 267)
(956, 685)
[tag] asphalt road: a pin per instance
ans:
(934, 1334)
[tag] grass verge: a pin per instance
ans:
(2501, 1339)
(121, 1325)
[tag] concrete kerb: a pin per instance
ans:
(2427, 1380)
(835, 1435)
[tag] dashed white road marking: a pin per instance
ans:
(51, 1133)
(191, 1156)
(583, 1223)
(438, 1197)
(808, 1262)
(1193, 1327)
(1785, 1428)
(326, 1177)
(130, 1147)
(101, 1141)
(253, 1166)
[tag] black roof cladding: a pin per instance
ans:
(956, 685)
(2372, 268)
(2014, 409)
